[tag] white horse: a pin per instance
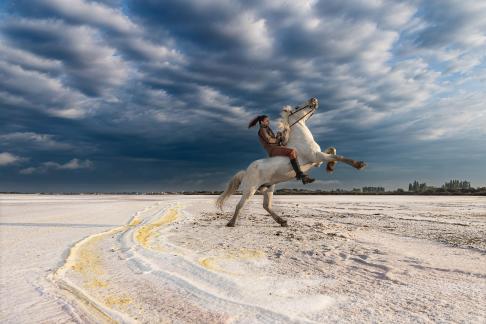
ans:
(263, 174)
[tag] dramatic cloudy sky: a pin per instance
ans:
(156, 95)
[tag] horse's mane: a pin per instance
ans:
(283, 121)
(284, 125)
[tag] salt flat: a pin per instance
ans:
(170, 258)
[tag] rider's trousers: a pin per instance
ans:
(284, 151)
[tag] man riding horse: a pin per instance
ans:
(263, 174)
(275, 147)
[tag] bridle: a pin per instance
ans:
(311, 112)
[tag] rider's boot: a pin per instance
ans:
(299, 174)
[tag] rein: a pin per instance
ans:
(298, 120)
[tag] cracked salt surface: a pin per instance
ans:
(342, 259)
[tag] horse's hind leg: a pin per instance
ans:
(244, 198)
(267, 204)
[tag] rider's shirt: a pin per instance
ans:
(267, 138)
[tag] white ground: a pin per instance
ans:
(170, 258)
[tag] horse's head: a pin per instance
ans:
(301, 113)
(296, 116)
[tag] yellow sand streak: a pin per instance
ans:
(207, 263)
(134, 222)
(147, 232)
(88, 264)
(88, 260)
(123, 300)
(211, 263)
(84, 258)
(96, 283)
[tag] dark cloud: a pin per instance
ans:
(157, 95)
(453, 22)
(88, 65)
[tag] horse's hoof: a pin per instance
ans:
(230, 224)
(284, 224)
(330, 167)
(361, 165)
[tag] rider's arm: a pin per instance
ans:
(266, 136)
(280, 138)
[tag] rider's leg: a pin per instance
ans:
(299, 174)
(295, 165)
(292, 155)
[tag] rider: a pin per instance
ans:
(274, 146)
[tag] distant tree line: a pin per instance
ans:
(417, 187)
(452, 184)
(452, 187)
(373, 189)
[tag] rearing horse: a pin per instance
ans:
(263, 174)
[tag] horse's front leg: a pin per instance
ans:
(331, 164)
(267, 204)
(326, 157)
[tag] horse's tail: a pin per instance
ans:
(230, 188)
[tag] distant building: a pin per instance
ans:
(456, 184)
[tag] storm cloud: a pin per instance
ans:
(150, 95)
